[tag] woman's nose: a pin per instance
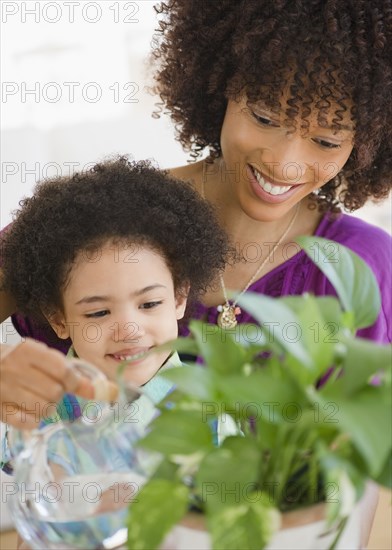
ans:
(291, 160)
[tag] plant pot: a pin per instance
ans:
(300, 530)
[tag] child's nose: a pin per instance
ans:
(128, 328)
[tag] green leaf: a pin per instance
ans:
(363, 358)
(266, 434)
(166, 470)
(365, 420)
(261, 395)
(251, 337)
(318, 337)
(385, 477)
(351, 277)
(195, 380)
(249, 525)
(181, 345)
(159, 506)
(329, 306)
(218, 348)
(222, 478)
(179, 432)
(343, 485)
(275, 319)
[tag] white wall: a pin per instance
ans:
(88, 81)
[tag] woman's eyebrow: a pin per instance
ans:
(264, 108)
(338, 127)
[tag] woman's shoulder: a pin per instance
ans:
(192, 172)
(374, 246)
(370, 242)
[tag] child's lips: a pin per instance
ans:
(133, 354)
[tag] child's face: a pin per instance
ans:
(117, 303)
(258, 151)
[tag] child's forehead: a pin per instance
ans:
(114, 272)
(116, 255)
(112, 248)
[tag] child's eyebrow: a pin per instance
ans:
(92, 299)
(148, 288)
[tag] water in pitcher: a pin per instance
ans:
(90, 512)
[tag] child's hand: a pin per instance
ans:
(33, 375)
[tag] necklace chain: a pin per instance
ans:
(227, 318)
(258, 270)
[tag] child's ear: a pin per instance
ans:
(58, 324)
(181, 300)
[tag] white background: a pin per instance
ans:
(85, 63)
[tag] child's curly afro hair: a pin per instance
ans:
(116, 200)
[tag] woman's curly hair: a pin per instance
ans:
(322, 51)
(117, 200)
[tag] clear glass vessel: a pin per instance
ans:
(76, 478)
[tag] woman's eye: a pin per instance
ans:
(96, 314)
(150, 305)
(265, 121)
(327, 144)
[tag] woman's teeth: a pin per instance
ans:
(268, 187)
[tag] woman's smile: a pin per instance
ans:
(268, 191)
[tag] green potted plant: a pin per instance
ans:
(250, 446)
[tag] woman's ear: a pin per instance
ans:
(181, 301)
(59, 325)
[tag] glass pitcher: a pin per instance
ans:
(76, 479)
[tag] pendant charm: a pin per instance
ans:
(227, 316)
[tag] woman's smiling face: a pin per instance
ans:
(271, 167)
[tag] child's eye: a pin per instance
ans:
(150, 305)
(265, 121)
(96, 314)
(327, 144)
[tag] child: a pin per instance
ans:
(110, 259)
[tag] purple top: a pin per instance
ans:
(299, 274)
(295, 276)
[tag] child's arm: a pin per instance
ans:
(33, 375)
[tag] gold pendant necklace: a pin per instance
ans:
(227, 318)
